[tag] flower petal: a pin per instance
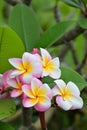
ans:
(43, 104)
(46, 57)
(26, 78)
(6, 77)
(28, 102)
(16, 62)
(55, 91)
(60, 84)
(27, 91)
(13, 83)
(35, 85)
(64, 104)
(73, 88)
(77, 102)
(53, 68)
(16, 92)
(37, 69)
(16, 73)
(45, 90)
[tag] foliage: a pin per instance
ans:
(7, 108)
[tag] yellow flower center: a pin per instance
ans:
(28, 67)
(65, 93)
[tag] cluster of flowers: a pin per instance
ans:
(25, 81)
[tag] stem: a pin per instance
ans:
(27, 119)
(42, 120)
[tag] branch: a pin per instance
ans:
(12, 2)
(56, 13)
(70, 35)
(27, 2)
(65, 49)
(63, 52)
(74, 54)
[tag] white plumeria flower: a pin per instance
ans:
(67, 95)
(28, 66)
(50, 66)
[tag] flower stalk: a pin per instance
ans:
(42, 120)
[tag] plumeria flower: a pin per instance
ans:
(4, 93)
(38, 95)
(50, 66)
(27, 67)
(1, 84)
(67, 95)
(3, 81)
(16, 84)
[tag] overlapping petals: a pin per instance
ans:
(16, 84)
(38, 95)
(50, 66)
(27, 67)
(67, 96)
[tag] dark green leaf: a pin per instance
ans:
(54, 33)
(7, 108)
(24, 22)
(71, 75)
(49, 81)
(83, 23)
(5, 126)
(73, 3)
(10, 46)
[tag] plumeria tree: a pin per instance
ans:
(30, 73)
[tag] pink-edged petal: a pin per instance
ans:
(6, 77)
(46, 57)
(16, 62)
(37, 69)
(16, 93)
(77, 103)
(28, 59)
(45, 90)
(29, 102)
(43, 104)
(13, 83)
(73, 88)
(1, 81)
(16, 73)
(60, 84)
(35, 85)
(26, 78)
(55, 91)
(64, 104)
(27, 91)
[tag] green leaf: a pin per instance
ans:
(83, 23)
(10, 46)
(5, 126)
(49, 81)
(71, 75)
(7, 108)
(73, 3)
(24, 22)
(54, 33)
